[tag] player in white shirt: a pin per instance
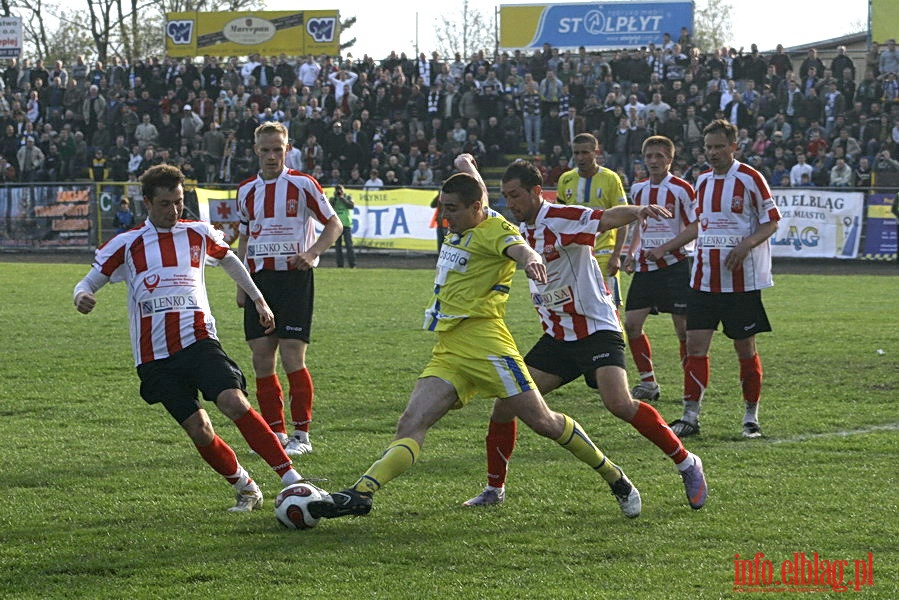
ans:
(657, 257)
(582, 336)
(173, 335)
(731, 267)
(278, 209)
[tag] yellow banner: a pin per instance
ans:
(884, 20)
(243, 33)
(399, 219)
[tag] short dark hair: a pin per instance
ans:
(160, 176)
(585, 138)
(465, 186)
(659, 140)
(722, 126)
(525, 172)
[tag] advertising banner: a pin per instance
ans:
(11, 40)
(243, 33)
(592, 25)
(817, 223)
(396, 219)
(880, 228)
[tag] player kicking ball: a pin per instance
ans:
(475, 353)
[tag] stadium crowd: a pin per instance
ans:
(401, 121)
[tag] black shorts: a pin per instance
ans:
(289, 294)
(741, 313)
(570, 360)
(174, 381)
(664, 290)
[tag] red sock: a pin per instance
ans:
(301, 394)
(642, 353)
(650, 424)
(263, 441)
(271, 402)
(500, 444)
(696, 377)
(751, 378)
(221, 458)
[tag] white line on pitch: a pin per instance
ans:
(837, 434)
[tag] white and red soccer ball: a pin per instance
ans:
(292, 505)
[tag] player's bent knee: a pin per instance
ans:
(233, 404)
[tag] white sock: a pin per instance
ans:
(302, 436)
(291, 477)
(752, 412)
(687, 462)
(244, 481)
(691, 411)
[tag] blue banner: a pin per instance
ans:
(593, 25)
(880, 228)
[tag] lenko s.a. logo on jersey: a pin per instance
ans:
(271, 249)
(164, 304)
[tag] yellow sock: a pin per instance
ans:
(576, 441)
(399, 456)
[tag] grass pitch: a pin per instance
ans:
(105, 497)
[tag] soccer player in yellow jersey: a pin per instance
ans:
(597, 187)
(475, 353)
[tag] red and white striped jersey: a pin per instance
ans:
(574, 302)
(168, 308)
(730, 208)
(678, 197)
(276, 216)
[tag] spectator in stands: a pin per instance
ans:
(374, 181)
(841, 174)
(799, 169)
(888, 61)
(30, 159)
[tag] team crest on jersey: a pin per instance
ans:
(257, 229)
(292, 204)
(704, 223)
(568, 195)
(669, 206)
(151, 282)
(550, 252)
(195, 254)
(736, 204)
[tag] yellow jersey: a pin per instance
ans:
(474, 274)
(603, 190)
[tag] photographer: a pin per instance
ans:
(343, 205)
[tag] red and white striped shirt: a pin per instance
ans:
(730, 208)
(168, 308)
(678, 197)
(276, 216)
(574, 302)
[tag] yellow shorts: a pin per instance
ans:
(479, 356)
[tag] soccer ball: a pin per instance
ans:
(292, 505)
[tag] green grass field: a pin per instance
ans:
(102, 496)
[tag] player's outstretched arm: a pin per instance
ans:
(465, 163)
(241, 253)
(529, 261)
(684, 237)
(83, 295)
(236, 271)
(618, 216)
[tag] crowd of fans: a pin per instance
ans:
(401, 121)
